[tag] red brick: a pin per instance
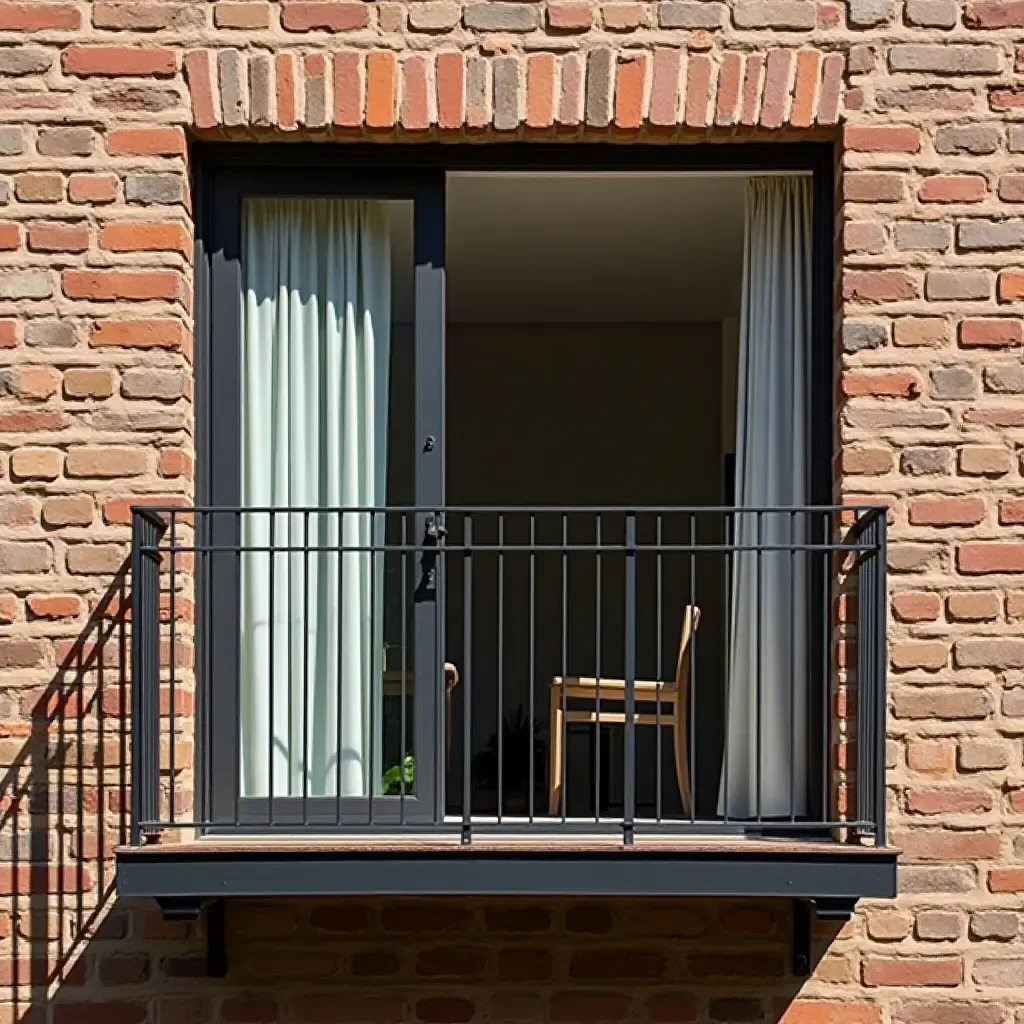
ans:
(916, 606)
(415, 111)
(145, 236)
(729, 84)
(879, 285)
(540, 90)
(111, 285)
(953, 188)
(138, 334)
(199, 75)
(664, 106)
(892, 384)
(348, 102)
(155, 141)
(37, 17)
(92, 188)
(284, 67)
(1006, 880)
(882, 138)
(26, 878)
(698, 91)
(994, 14)
(979, 558)
(243, 15)
(991, 332)
(630, 74)
(329, 15)
(569, 16)
(815, 1011)
(380, 89)
(118, 60)
(776, 87)
(946, 511)
(903, 971)
(873, 187)
(58, 236)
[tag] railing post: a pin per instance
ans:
(881, 668)
(871, 668)
(629, 703)
(147, 529)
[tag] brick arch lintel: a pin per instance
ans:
(660, 91)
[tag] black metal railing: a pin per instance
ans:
(635, 671)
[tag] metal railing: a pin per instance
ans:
(633, 671)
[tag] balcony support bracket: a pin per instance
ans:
(804, 912)
(188, 909)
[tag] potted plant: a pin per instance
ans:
(516, 734)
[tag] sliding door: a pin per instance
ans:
(322, 456)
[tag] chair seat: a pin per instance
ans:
(587, 686)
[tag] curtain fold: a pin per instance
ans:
(316, 302)
(765, 761)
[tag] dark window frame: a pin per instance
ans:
(405, 169)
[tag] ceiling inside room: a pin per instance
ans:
(534, 248)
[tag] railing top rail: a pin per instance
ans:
(508, 509)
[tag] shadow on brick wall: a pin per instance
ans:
(78, 955)
(63, 811)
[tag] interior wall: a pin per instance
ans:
(586, 414)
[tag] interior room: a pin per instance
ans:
(590, 360)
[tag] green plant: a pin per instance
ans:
(516, 742)
(391, 781)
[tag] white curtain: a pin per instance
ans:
(315, 351)
(765, 763)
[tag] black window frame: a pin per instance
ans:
(419, 170)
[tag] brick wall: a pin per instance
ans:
(97, 102)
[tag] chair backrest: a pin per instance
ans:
(691, 620)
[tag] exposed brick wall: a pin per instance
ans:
(97, 102)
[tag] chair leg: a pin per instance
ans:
(554, 753)
(679, 739)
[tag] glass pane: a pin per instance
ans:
(326, 439)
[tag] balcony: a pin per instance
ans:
(639, 701)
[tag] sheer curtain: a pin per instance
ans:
(315, 352)
(765, 764)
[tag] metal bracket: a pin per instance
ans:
(188, 908)
(804, 914)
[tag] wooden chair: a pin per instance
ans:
(674, 697)
(393, 688)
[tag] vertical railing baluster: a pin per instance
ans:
(691, 655)
(501, 679)
(597, 671)
(271, 670)
(879, 555)
(339, 659)
(796, 564)
(403, 638)
(533, 648)
(629, 702)
(563, 769)
(658, 667)
(236, 535)
(864, 669)
(731, 533)
(467, 715)
(303, 640)
(758, 644)
(376, 672)
(171, 732)
(826, 761)
(145, 713)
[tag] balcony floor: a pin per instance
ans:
(506, 864)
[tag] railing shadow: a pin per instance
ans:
(64, 808)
